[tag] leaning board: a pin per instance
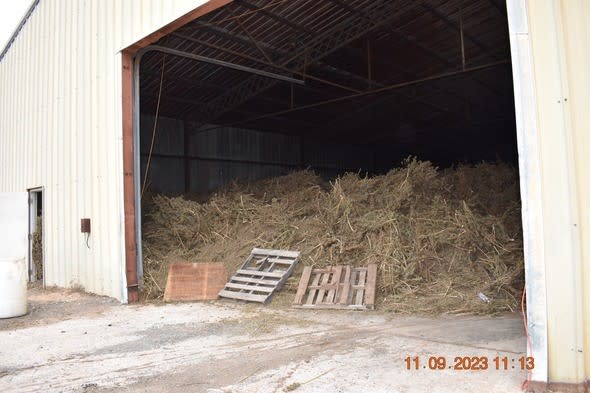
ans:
(337, 287)
(263, 273)
(194, 281)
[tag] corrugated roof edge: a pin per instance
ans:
(19, 28)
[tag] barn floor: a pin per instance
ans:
(71, 341)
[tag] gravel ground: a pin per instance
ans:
(73, 342)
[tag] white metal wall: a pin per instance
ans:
(61, 128)
(551, 62)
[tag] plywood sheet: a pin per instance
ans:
(194, 281)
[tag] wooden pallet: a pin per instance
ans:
(337, 287)
(263, 273)
(194, 281)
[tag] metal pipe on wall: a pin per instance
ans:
(192, 56)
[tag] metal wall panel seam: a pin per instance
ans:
(562, 37)
(558, 233)
(65, 159)
(575, 21)
(69, 113)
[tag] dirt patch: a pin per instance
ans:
(261, 322)
(50, 305)
(439, 237)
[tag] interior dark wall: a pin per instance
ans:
(430, 79)
(448, 146)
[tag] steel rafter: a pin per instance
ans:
(371, 92)
(276, 17)
(456, 26)
(348, 30)
(398, 32)
(326, 66)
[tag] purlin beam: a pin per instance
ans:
(431, 86)
(276, 17)
(350, 29)
(307, 76)
(260, 61)
(432, 53)
(447, 20)
(239, 67)
(245, 30)
(424, 48)
(369, 92)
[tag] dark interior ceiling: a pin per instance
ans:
(400, 71)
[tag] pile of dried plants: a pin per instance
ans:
(439, 237)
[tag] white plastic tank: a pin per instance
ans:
(13, 287)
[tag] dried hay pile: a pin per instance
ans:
(37, 249)
(439, 237)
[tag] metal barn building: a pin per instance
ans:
(79, 83)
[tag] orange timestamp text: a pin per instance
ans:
(470, 363)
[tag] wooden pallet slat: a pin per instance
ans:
(250, 280)
(312, 292)
(371, 286)
(243, 296)
(360, 291)
(262, 274)
(337, 287)
(324, 282)
(343, 299)
(334, 285)
(305, 276)
(256, 273)
(253, 288)
(276, 253)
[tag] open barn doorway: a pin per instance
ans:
(36, 236)
(357, 131)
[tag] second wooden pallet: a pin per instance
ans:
(337, 287)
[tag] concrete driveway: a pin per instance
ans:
(76, 342)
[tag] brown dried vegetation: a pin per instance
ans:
(439, 237)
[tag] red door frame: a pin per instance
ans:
(128, 154)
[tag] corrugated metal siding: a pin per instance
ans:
(232, 153)
(244, 144)
(60, 128)
(224, 154)
(560, 34)
(166, 172)
(551, 59)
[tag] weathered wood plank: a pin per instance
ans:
(256, 273)
(343, 287)
(371, 285)
(334, 284)
(264, 271)
(322, 290)
(253, 288)
(194, 281)
(243, 296)
(305, 276)
(362, 276)
(281, 261)
(266, 280)
(345, 293)
(332, 306)
(311, 296)
(280, 253)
